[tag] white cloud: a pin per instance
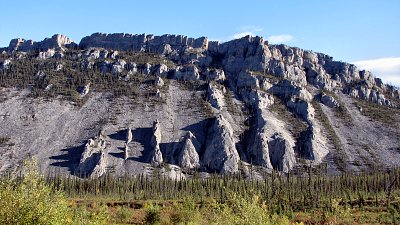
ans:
(242, 34)
(388, 69)
(279, 39)
(251, 30)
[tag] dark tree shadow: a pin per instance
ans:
(70, 159)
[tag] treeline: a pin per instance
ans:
(281, 192)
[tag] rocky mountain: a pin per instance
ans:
(140, 104)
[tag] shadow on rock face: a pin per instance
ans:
(119, 135)
(70, 159)
(142, 136)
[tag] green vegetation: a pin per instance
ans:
(311, 198)
(29, 200)
(44, 80)
(375, 112)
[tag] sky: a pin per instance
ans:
(363, 32)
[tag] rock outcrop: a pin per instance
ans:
(93, 160)
(187, 73)
(221, 154)
(329, 101)
(156, 156)
(126, 151)
(129, 135)
(56, 42)
(189, 157)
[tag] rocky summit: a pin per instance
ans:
(128, 104)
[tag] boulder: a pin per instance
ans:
(114, 55)
(104, 67)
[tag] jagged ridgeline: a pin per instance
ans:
(139, 104)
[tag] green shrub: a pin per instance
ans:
(29, 200)
(186, 213)
(152, 214)
(123, 214)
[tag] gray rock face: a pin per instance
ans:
(281, 153)
(189, 157)
(156, 158)
(329, 101)
(302, 108)
(288, 89)
(187, 73)
(57, 42)
(165, 44)
(215, 96)
(93, 160)
(247, 80)
(221, 154)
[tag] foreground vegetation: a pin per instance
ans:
(366, 198)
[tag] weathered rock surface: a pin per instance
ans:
(93, 160)
(329, 101)
(240, 82)
(189, 157)
(221, 154)
(187, 73)
(156, 157)
(129, 135)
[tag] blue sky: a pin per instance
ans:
(364, 32)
